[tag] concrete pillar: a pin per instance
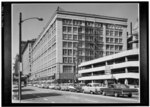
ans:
(126, 70)
(126, 59)
(92, 81)
(92, 66)
(106, 82)
(126, 81)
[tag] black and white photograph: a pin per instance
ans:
(75, 53)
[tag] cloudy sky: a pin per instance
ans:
(32, 28)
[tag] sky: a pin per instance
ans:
(32, 28)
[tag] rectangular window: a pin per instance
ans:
(75, 30)
(111, 53)
(75, 37)
(107, 40)
(120, 34)
(111, 47)
(65, 36)
(80, 45)
(80, 30)
(74, 60)
(107, 53)
(80, 52)
(111, 40)
(70, 44)
(101, 32)
(69, 29)
(120, 40)
(111, 33)
(116, 40)
(69, 59)
(75, 44)
(91, 38)
(65, 44)
(74, 52)
(120, 48)
(107, 47)
(80, 37)
(107, 32)
(64, 29)
(116, 33)
(69, 37)
(116, 47)
(67, 69)
(69, 52)
(65, 60)
(65, 52)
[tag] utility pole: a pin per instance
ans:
(20, 59)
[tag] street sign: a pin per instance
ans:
(20, 67)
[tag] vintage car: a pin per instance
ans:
(51, 86)
(78, 87)
(93, 88)
(118, 90)
(65, 86)
(57, 87)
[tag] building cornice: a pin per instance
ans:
(92, 15)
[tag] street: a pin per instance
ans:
(32, 94)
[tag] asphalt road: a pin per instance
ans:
(32, 94)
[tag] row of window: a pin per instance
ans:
(113, 33)
(45, 73)
(67, 69)
(82, 38)
(114, 40)
(109, 32)
(90, 23)
(112, 47)
(46, 37)
(69, 59)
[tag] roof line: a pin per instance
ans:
(92, 15)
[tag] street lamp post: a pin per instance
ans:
(20, 38)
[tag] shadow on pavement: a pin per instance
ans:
(39, 95)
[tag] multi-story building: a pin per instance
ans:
(70, 38)
(133, 37)
(26, 57)
(122, 67)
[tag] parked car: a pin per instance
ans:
(76, 88)
(79, 87)
(72, 88)
(92, 88)
(46, 86)
(118, 90)
(52, 86)
(57, 87)
(65, 86)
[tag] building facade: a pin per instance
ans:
(70, 38)
(26, 57)
(122, 67)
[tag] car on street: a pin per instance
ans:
(57, 87)
(79, 87)
(46, 85)
(65, 86)
(93, 88)
(51, 86)
(118, 90)
(76, 87)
